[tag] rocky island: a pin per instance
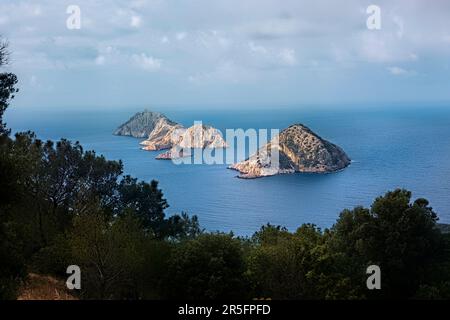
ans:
(162, 133)
(160, 138)
(166, 135)
(141, 124)
(300, 150)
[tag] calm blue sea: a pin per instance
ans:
(390, 147)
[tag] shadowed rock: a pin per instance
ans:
(141, 124)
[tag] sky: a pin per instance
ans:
(227, 53)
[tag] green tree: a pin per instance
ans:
(12, 267)
(146, 200)
(211, 266)
(8, 88)
(399, 236)
(109, 253)
(298, 265)
(151, 276)
(183, 227)
(57, 179)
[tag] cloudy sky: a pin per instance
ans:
(227, 52)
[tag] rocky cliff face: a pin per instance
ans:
(300, 150)
(169, 135)
(141, 124)
(162, 133)
(160, 137)
(201, 136)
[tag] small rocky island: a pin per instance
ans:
(300, 150)
(140, 125)
(166, 135)
(162, 133)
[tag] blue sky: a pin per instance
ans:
(227, 53)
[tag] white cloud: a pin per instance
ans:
(224, 72)
(397, 71)
(200, 78)
(212, 40)
(147, 63)
(36, 11)
(100, 60)
(138, 4)
(109, 55)
(181, 35)
(33, 80)
(275, 28)
(374, 48)
(37, 84)
(288, 57)
(272, 57)
(257, 48)
(224, 42)
(398, 21)
(413, 56)
(136, 21)
(4, 20)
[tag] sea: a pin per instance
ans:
(391, 146)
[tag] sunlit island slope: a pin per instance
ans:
(164, 134)
(300, 150)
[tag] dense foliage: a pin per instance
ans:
(61, 205)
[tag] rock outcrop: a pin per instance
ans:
(141, 124)
(162, 134)
(299, 150)
(173, 154)
(176, 137)
(200, 137)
